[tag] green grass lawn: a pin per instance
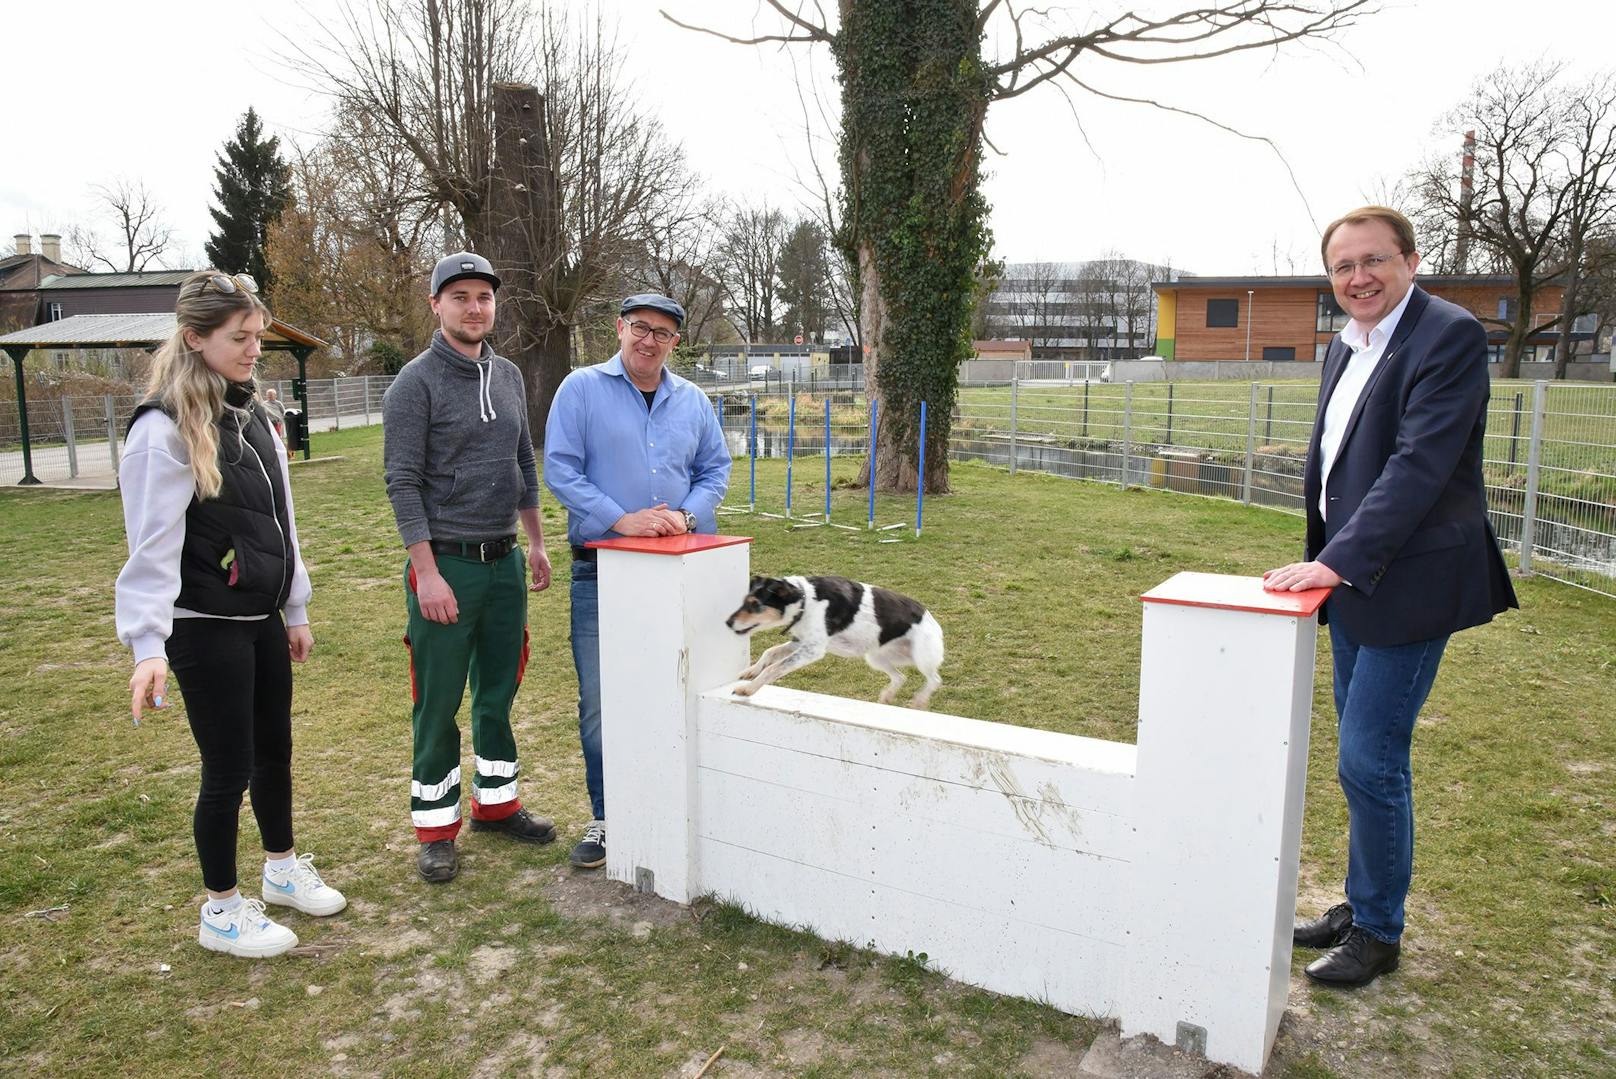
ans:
(523, 965)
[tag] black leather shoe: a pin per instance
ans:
(438, 862)
(1325, 931)
(1359, 961)
(519, 825)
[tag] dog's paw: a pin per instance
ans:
(745, 689)
(749, 673)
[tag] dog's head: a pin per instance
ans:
(767, 600)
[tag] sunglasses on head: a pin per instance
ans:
(229, 284)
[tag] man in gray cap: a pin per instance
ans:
(460, 473)
(631, 449)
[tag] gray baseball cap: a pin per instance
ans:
(655, 302)
(462, 264)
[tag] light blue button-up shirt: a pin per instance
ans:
(606, 455)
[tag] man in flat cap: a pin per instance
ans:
(460, 474)
(631, 449)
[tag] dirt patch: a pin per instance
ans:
(492, 960)
(588, 895)
(402, 942)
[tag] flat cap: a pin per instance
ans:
(656, 302)
(462, 264)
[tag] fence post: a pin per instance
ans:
(1534, 457)
(1251, 441)
(1127, 429)
(1015, 393)
(336, 404)
(67, 433)
(1268, 428)
(112, 432)
(1169, 440)
(1515, 428)
(1085, 408)
(367, 399)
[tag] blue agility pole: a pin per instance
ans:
(920, 481)
(751, 500)
(827, 460)
(874, 412)
(791, 448)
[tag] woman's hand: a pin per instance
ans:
(300, 642)
(148, 685)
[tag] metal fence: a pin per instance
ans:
(1550, 453)
(80, 438)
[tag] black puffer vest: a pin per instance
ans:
(237, 558)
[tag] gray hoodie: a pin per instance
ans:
(456, 450)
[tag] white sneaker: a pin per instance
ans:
(301, 888)
(244, 931)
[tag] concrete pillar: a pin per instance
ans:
(1225, 698)
(672, 593)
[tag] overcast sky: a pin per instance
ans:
(99, 90)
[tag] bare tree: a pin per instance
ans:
(1544, 156)
(678, 229)
(352, 251)
(749, 268)
(530, 144)
(140, 235)
(911, 176)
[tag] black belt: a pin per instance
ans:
(583, 554)
(477, 550)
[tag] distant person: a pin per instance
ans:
(1397, 526)
(631, 449)
(460, 473)
(275, 411)
(215, 589)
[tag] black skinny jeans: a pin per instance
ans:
(237, 681)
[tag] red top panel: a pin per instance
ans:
(1231, 593)
(688, 543)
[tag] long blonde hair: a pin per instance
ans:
(181, 380)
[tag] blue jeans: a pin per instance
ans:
(1378, 695)
(586, 661)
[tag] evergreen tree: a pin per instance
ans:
(253, 186)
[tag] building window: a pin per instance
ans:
(53, 312)
(1276, 354)
(1331, 319)
(1506, 309)
(1221, 313)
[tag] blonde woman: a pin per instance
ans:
(215, 590)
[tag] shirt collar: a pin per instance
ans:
(614, 366)
(1359, 341)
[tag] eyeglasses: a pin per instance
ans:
(229, 283)
(640, 329)
(1343, 270)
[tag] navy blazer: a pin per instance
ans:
(1407, 527)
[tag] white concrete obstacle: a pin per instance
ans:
(1153, 883)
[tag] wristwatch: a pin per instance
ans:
(690, 520)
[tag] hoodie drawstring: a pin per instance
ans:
(485, 388)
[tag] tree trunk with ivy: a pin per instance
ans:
(914, 94)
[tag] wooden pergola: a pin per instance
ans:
(144, 331)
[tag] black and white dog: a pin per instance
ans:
(834, 614)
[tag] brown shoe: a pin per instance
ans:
(519, 825)
(438, 862)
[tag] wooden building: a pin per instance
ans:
(1294, 318)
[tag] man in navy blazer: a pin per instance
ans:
(1397, 526)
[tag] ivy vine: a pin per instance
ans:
(914, 94)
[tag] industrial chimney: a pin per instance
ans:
(1467, 198)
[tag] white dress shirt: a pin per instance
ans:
(1367, 350)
